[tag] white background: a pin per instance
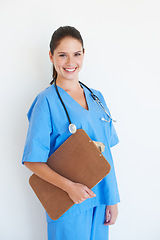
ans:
(122, 60)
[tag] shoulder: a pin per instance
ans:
(95, 91)
(40, 102)
(46, 93)
(101, 97)
(98, 94)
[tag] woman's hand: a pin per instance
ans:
(79, 192)
(111, 214)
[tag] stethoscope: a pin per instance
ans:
(72, 127)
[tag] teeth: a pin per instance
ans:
(70, 70)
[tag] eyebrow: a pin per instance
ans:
(65, 52)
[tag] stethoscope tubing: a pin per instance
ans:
(98, 101)
(93, 96)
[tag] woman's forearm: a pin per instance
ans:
(45, 172)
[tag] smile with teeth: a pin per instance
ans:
(70, 69)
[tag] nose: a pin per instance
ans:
(69, 61)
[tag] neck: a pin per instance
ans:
(68, 84)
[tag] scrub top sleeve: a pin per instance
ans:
(113, 137)
(37, 145)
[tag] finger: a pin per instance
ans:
(111, 221)
(107, 215)
(107, 223)
(90, 192)
(80, 200)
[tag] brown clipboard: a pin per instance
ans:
(77, 159)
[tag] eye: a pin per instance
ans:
(62, 55)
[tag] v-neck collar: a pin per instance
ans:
(71, 98)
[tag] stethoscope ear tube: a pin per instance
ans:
(99, 102)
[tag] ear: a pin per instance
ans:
(51, 57)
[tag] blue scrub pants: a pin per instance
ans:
(89, 225)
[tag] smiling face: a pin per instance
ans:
(68, 58)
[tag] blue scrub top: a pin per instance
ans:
(48, 129)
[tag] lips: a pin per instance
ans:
(70, 70)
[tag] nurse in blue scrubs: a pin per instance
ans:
(94, 209)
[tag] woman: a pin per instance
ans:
(94, 210)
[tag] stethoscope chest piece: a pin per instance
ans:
(72, 128)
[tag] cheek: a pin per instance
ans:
(59, 64)
(80, 62)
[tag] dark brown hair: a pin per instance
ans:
(58, 35)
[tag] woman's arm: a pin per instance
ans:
(45, 172)
(76, 191)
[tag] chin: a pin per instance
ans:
(70, 77)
